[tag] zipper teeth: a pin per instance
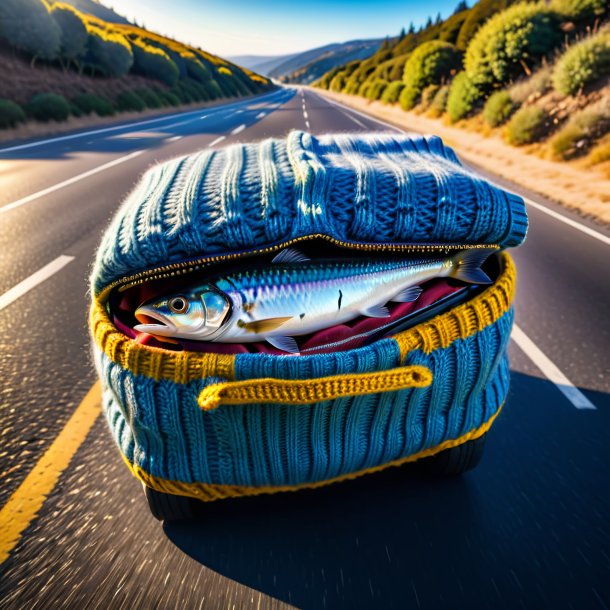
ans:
(177, 269)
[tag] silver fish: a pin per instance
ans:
(296, 296)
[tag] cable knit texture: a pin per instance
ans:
(183, 420)
(374, 188)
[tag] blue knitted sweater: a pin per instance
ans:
(373, 188)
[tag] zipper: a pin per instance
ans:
(185, 267)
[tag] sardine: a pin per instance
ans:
(297, 296)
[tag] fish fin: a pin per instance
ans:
(286, 344)
(408, 295)
(290, 255)
(467, 266)
(376, 311)
(265, 325)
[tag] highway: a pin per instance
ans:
(527, 529)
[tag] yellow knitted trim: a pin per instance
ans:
(307, 391)
(155, 362)
(209, 492)
(464, 320)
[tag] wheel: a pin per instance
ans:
(167, 507)
(454, 461)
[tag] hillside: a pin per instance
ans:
(57, 62)
(532, 74)
(93, 7)
(262, 64)
(308, 66)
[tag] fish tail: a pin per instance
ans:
(467, 266)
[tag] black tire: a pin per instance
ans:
(167, 507)
(454, 461)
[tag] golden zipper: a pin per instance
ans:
(177, 269)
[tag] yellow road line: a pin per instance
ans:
(23, 506)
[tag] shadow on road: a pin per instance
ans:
(502, 536)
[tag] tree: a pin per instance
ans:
(28, 26)
(402, 34)
(428, 23)
(73, 38)
(438, 19)
(461, 6)
(411, 28)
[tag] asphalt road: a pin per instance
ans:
(527, 529)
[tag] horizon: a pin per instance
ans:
(272, 28)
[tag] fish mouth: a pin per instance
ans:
(153, 323)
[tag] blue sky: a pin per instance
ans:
(274, 27)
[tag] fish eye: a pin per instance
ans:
(178, 305)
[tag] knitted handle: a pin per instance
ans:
(302, 392)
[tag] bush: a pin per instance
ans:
(376, 89)
(537, 84)
(337, 83)
(429, 64)
(149, 97)
(427, 96)
(392, 92)
(580, 10)
(501, 48)
(527, 125)
(439, 103)
(28, 25)
(581, 130)
(49, 107)
(154, 63)
(73, 33)
(498, 108)
(169, 98)
(582, 64)
(130, 101)
(10, 114)
(196, 70)
(600, 153)
(463, 97)
(90, 103)
(108, 52)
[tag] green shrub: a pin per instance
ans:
(49, 107)
(10, 114)
(213, 90)
(392, 92)
(439, 103)
(90, 103)
(498, 108)
(511, 39)
(526, 126)
(130, 101)
(430, 63)
(154, 63)
(580, 10)
(463, 97)
(28, 25)
(108, 52)
(363, 90)
(170, 99)
(196, 70)
(73, 33)
(149, 97)
(376, 89)
(582, 64)
(537, 84)
(337, 83)
(582, 129)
